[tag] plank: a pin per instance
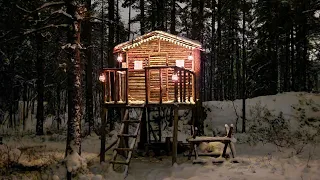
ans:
(209, 139)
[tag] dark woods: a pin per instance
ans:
(251, 48)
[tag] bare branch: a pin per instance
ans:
(55, 13)
(49, 4)
(44, 6)
(27, 11)
(45, 27)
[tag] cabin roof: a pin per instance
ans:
(182, 41)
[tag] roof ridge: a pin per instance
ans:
(180, 40)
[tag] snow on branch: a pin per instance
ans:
(49, 4)
(56, 13)
(44, 6)
(23, 9)
(45, 27)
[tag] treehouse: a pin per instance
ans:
(155, 68)
(157, 71)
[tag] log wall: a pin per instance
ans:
(157, 53)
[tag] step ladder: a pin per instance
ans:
(122, 148)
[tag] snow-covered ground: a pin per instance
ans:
(42, 157)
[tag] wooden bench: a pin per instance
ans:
(227, 141)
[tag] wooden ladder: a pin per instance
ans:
(122, 146)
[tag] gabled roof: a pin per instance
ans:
(182, 41)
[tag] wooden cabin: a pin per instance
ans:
(157, 68)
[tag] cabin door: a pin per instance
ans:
(158, 77)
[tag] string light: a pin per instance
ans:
(174, 77)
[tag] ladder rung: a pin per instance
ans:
(119, 162)
(127, 135)
(123, 149)
(131, 121)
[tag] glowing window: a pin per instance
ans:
(180, 63)
(137, 65)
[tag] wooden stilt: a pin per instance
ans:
(175, 136)
(103, 134)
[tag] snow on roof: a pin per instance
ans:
(182, 41)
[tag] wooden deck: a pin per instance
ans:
(156, 87)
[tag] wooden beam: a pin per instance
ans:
(109, 87)
(175, 135)
(147, 85)
(180, 80)
(104, 115)
(189, 86)
(116, 86)
(175, 90)
(127, 86)
(184, 85)
(160, 74)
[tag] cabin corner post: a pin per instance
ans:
(146, 72)
(175, 87)
(127, 86)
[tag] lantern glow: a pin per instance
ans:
(180, 63)
(174, 77)
(138, 65)
(119, 58)
(102, 77)
(190, 57)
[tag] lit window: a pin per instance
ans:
(180, 63)
(124, 65)
(137, 65)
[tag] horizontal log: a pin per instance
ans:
(209, 139)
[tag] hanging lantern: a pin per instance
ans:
(119, 58)
(174, 77)
(102, 77)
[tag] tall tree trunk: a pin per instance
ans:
(111, 61)
(40, 85)
(278, 65)
(292, 61)
(243, 69)
(287, 75)
(173, 17)
(194, 17)
(58, 118)
(129, 19)
(74, 70)
(219, 62)
(118, 24)
(89, 97)
(153, 16)
(25, 92)
(213, 49)
(142, 18)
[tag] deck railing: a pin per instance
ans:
(184, 84)
(182, 89)
(116, 83)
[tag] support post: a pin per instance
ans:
(127, 86)
(147, 84)
(143, 130)
(103, 134)
(175, 135)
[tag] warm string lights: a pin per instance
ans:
(161, 37)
